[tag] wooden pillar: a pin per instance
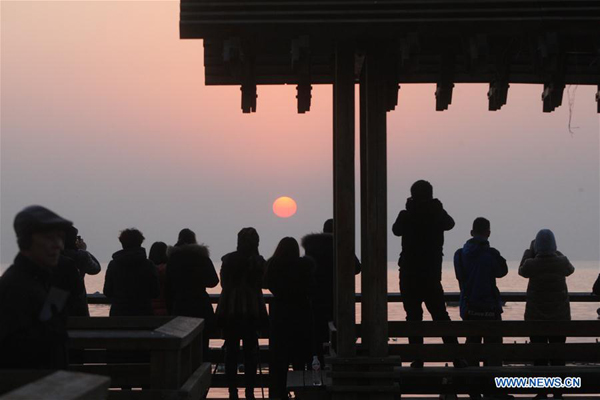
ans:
(344, 207)
(374, 205)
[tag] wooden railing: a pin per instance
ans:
(161, 355)
(394, 297)
(24, 384)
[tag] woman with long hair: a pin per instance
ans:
(290, 278)
(241, 312)
(158, 255)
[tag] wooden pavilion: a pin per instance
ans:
(381, 45)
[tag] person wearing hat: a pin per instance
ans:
(32, 310)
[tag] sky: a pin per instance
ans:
(105, 119)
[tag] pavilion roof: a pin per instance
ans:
(551, 42)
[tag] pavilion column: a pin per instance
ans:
(344, 204)
(374, 205)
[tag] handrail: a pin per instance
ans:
(62, 385)
(395, 297)
(175, 334)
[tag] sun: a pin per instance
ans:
(284, 207)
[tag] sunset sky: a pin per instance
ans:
(105, 119)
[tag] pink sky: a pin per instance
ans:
(106, 118)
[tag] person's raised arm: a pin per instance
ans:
(500, 265)
(108, 289)
(88, 263)
(399, 226)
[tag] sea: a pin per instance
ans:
(581, 280)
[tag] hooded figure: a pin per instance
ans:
(547, 269)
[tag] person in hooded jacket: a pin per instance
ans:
(189, 272)
(86, 263)
(158, 256)
(547, 292)
(241, 311)
(422, 226)
(477, 265)
(131, 280)
(291, 279)
(319, 248)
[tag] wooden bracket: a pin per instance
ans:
(248, 98)
(300, 52)
(552, 96)
(304, 97)
(497, 95)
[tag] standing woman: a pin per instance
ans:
(131, 280)
(547, 293)
(241, 311)
(290, 278)
(158, 255)
(189, 272)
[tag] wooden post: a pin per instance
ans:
(374, 208)
(344, 209)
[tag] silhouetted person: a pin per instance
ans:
(158, 256)
(32, 311)
(547, 293)
(477, 265)
(189, 272)
(131, 280)
(241, 311)
(86, 263)
(422, 227)
(319, 247)
(291, 279)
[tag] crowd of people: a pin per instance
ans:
(45, 284)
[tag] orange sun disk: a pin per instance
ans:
(284, 207)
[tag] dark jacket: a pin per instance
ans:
(131, 283)
(547, 293)
(241, 302)
(422, 227)
(66, 276)
(159, 305)
(319, 247)
(33, 331)
(477, 265)
(189, 272)
(291, 310)
(85, 262)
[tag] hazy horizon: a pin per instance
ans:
(105, 119)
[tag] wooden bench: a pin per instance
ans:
(52, 385)
(370, 375)
(160, 356)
